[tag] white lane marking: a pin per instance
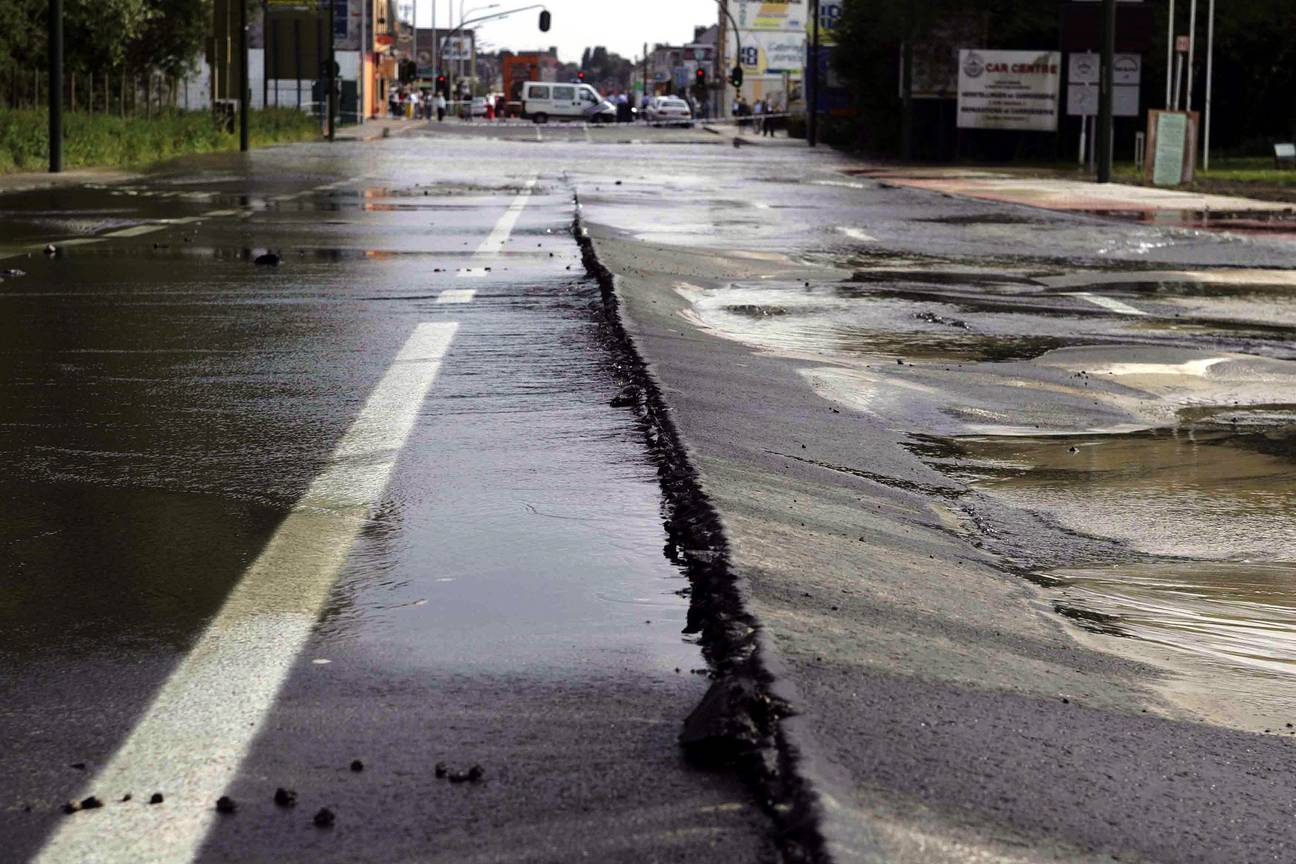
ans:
(182, 220)
(1108, 303)
(220, 213)
(135, 231)
(537, 131)
(493, 245)
(190, 742)
(1195, 368)
(75, 241)
(456, 295)
(1224, 276)
(856, 234)
(588, 139)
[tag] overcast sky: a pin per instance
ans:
(622, 25)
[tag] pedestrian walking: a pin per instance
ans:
(759, 111)
(440, 107)
(767, 129)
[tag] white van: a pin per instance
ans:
(544, 99)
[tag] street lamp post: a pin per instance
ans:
(459, 29)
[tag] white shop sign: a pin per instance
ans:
(1009, 90)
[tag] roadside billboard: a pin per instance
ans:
(772, 52)
(770, 14)
(1011, 90)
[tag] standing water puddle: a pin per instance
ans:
(1217, 505)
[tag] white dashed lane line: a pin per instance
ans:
(1108, 303)
(453, 295)
(135, 231)
(493, 245)
(192, 739)
(856, 234)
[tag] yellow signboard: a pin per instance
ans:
(772, 14)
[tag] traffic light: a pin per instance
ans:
(580, 76)
(735, 77)
(544, 21)
(700, 77)
(442, 86)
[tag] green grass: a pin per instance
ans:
(102, 141)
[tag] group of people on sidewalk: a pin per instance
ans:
(413, 104)
(764, 116)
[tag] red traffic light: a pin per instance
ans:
(580, 75)
(701, 75)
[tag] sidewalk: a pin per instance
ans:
(1070, 195)
(377, 127)
(27, 180)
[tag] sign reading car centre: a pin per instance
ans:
(1015, 90)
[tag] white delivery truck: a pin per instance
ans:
(544, 99)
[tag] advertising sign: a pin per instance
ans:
(1014, 90)
(829, 18)
(770, 52)
(771, 14)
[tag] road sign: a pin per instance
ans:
(1009, 90)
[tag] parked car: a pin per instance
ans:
(669, 110)
(542, 100)
(478, 107)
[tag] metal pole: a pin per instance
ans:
(361, 107)
(1105, 93)
(297, 79)
(812, 124)
(265, 58)
(56, 86)
(245, 87)
(332, 70)
(1210, 73)
(1192, 52)
(1170, 55)
(723, 65)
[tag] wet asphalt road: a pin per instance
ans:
(873, 383)
(402, 432)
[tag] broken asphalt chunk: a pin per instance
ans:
(285, 797)
(324, 818)
(225, 804)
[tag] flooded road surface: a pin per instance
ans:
(361, 526)
(1161, 385)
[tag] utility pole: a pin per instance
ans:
(55, 86)
(645, 75)
(245, 87)
(812, 126)
(1106, 92)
